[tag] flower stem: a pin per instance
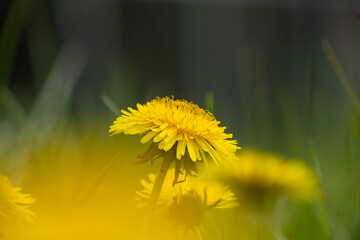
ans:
(155, 193)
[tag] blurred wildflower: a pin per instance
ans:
(186, 202)
(14, 205)
(259, 176)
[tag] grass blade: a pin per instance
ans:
(340, 74)
(110, 104)
(94, 186)
(322, 205)
(209, 102)
(13, 107)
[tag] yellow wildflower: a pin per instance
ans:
(14, 205)
(179, 125)
(180, 130)
(259, 175)
(186, 201)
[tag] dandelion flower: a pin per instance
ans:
(179, 130)
(260, 175)
(179, 125)
(186, 202)
(14, 205)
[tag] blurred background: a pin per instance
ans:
(67, 65)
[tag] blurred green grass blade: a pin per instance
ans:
(291, 120)
(209, 102)
(279, 212)
(312, 95)
(50, 111)
(51, 104)
(110, 104)
(10, 36)
(340, 74)
(13, 107)
(279, 236)
(94, 186)
(322, 205)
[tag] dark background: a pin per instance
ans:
(254, 56)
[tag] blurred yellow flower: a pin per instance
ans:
(178, 125)
(14, 205)
(186, 201)
(259, 175)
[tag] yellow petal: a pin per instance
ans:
(191, 150)
(148, 136)
(170, 144)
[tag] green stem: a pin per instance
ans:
(259, 230)
(155, 193)
(322, 203)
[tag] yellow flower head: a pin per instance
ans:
(14, 205)
(263, 174)
(186, 201)
(179, 125)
